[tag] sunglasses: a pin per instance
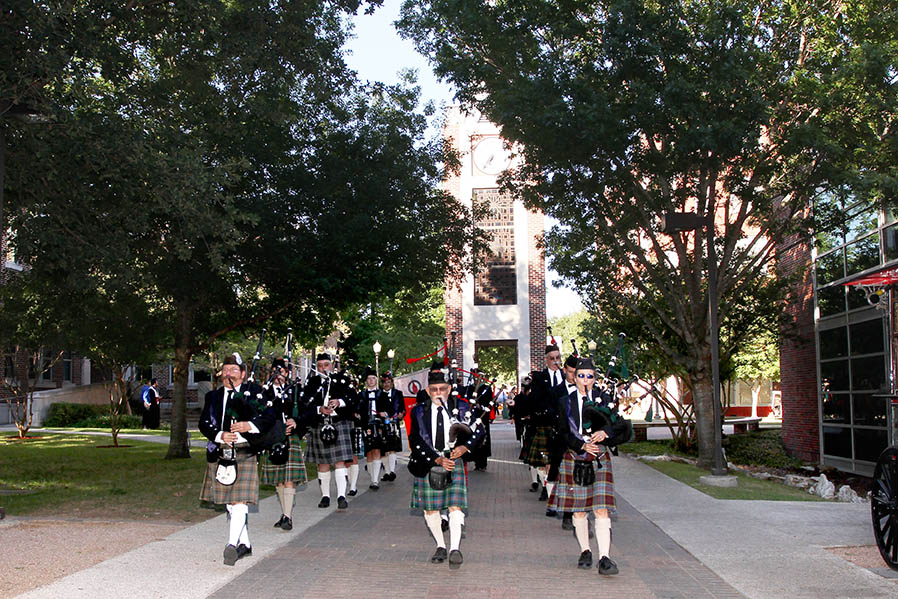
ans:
(585, 376)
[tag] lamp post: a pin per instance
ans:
(377, 348)
(592, 345)
(391, 354)
(672, 222)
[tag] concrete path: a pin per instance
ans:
(669, 541)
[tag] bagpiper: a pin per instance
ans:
(437, 444)
(541, 417)
(394, 439)
(586, 482)
(292, 472)
(329, 404)
(480, 393)
(375, 408)
(234, 418)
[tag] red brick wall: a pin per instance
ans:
(536, 275)
(798, 356)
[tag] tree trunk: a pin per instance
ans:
(179, 441)
(704, 420)
(755, 396)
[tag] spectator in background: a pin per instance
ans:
(150, 398)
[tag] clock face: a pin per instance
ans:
(490, 157)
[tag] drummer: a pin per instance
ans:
(439, 477)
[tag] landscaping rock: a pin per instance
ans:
(762, 475)
(824, 488)
(801, 482)
(847, 495)
(655, 458)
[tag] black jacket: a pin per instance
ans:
(423, 454)
(569, 420)
(250, 404)
(337, 386)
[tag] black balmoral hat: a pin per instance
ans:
(585, 364)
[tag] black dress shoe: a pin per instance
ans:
(567, 521)
(389, 476)
(585, 560)
(544, 495)
(342, 504)
(230, 555)
(550, 513)
(607, 567)
(373, 487)
(244, 550)
(288, 524)
(534, 487)
(455, 558)
(325, 502)
(439, 556)
(352, 492)
(280, 522)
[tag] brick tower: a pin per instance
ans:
(504, 303)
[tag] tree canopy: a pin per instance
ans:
(622, 110)
(221, 163)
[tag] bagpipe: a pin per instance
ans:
(601, 415)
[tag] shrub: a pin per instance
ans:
(102, 421)
(762, 448)
(69, 414)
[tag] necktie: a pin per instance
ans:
(554, 378)
(224, 416)
(439, 442)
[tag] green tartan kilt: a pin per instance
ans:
(244, 490)
(538, 453)
(570, 497)
(427, 498)
(293, 471)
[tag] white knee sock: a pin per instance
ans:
(280, 492)
(603, 536)
(456, 519)
(324, 479)
(549, 487)
(374, 471)
(289, 494)
(534, 475)
(391, 460)
(433, 523)
(354, 477)
(581, 528)
(542, 476)
(237, 525)
(340, 479)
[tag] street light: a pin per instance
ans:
(377, 348)
(391, 354)
(672, 222)
(592, 345)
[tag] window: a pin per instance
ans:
(67, 367)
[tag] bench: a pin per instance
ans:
(640, 429)
(744, 425)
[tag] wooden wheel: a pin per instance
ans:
(884, 506)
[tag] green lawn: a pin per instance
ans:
(73, 476)
(195, 435)
(748, 488)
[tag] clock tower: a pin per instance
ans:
(504, 302)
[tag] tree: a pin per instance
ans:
(622, 110)
(758, 361)
(221, 161)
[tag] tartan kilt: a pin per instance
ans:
(538, 453)
(293, 471)
(341, 451)
(427, 498)
(244, 490)
(568, 497)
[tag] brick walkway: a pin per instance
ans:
(377, 548)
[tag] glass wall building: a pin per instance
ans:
(853, 238)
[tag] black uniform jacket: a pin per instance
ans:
(423, 454)
(569, 420)
(248, 405)
(382, 403)
(337, 386)
(542, 403)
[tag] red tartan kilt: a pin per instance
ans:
(569, 497)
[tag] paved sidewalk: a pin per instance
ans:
(669, 541)
(378, 549)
